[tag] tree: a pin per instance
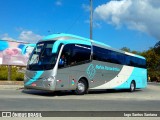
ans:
(129, 50)
(157, 48)
(126, 49)
(153, 64)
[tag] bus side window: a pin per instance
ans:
(80, 54)
(64, 60)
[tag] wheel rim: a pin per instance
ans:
(81, 87)
(132, 87)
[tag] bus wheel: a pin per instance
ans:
(81, 87)
(132, 86)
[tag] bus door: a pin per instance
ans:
(63, 70)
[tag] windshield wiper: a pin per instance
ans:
(37, 58)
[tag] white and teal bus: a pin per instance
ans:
(68, 62)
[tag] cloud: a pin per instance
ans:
(29, 36)
(25, 36)
(86, 7)
(140, 15)
(95, 23)
(7, 37)
(19, 29)
(58, 3)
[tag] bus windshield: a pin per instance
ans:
(42, 57)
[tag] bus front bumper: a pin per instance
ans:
(40, 84)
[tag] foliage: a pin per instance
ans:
(15, 75)
(157, 48)
(126, 49)
(3, 72)
(129, 50)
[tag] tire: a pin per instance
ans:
(81, 87)
(132, 86)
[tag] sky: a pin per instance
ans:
(119, 23)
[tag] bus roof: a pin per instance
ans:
(63, 36)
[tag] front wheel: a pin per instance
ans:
(81, 87)
(132, 86)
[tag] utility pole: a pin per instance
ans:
(91, 22)
(9, 72)
(91, 19)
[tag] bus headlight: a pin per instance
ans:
(25, 78)
(51, 78)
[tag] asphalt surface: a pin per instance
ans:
(116, 100)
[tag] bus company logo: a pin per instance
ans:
(91, 71)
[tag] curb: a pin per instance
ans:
(11, 87)
(16, 85)
(11, 82)
(154, 83)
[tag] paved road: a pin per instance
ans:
(32, 100)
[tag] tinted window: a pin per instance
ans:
(65, 56)
(101, 54)
(42, 57)
(80, 53)
(106, 55)
(74, 54)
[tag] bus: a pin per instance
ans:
(69, 62)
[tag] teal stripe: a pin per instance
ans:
(138, 56)
(140, 77)
(35, 77)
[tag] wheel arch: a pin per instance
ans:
(134, 83)
(84, 78)
(132, 86)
